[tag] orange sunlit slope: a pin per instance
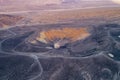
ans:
(72, 34)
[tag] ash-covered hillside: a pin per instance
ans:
(96, 57)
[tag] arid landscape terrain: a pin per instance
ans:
(59, 40)
(61, 16)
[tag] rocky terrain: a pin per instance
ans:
(9, 20)
(52, 45)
